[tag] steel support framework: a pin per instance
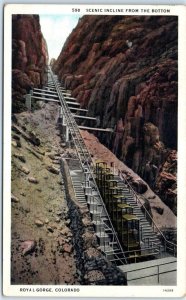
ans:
(107, 237)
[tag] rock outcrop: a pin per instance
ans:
(125, 72)
(29, 57)
(166, 184)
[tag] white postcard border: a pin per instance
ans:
(96, 291)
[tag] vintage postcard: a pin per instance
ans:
(94, 151)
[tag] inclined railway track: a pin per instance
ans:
(105, 231)
(83, 178)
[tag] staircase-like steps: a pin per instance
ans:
(147, 235)
(99, 215)
(77, 182)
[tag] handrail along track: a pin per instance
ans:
(88, 168)
(86, 163)
(167, 244)
(102, 220)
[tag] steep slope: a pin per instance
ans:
(162, 215)
(52, 236)
(29, 57)
(41, 239)
(124, 69)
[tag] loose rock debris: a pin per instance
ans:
(38, 212)
(33, 180)
(14, 199)
(53, 170)
(28, 246)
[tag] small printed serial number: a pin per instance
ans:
(75, 9)
(168, 290)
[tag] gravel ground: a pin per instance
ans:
(41, 246)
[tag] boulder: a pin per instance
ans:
(33, 180)
(159, 210)
(20, 157)
(39, 223)
(94, 275)
(28, 246)
(14, 143)
(25, 170)
(89, 239)
(50, 229)
(14, 199)
(66, 231)
(139, 186)
(34, 138)
(67, 248)
(53, 169)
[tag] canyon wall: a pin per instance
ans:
(29, 58)
(124, 69)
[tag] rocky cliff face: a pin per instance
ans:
(124, 69)
(166, 183)
(29, 57)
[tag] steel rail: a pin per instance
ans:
(82, 152)
(153, 222)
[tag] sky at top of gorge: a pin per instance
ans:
(56, 29)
